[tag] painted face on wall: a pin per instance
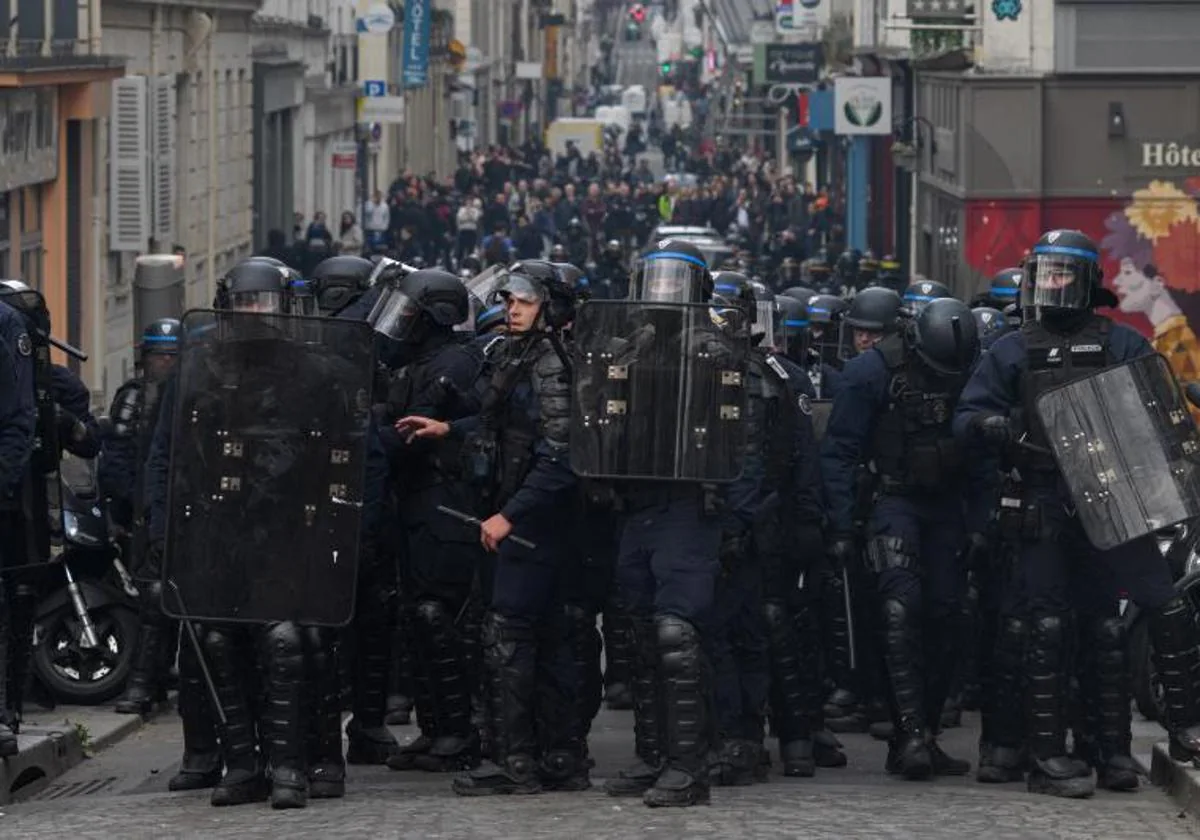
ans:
(1136, 291)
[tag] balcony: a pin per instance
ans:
(42, 43)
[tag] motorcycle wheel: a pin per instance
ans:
(76, 675)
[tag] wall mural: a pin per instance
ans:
(1150, 251)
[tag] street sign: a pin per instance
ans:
(381, 109)
(796, 16)
(762, 32)
(374, 87)
(345, 155)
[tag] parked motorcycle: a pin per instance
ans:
(85, 636)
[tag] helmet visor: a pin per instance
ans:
(1057, 281)
(764, 322)
(518, 287)
(394, 315)
(257, 301)
(670, 279)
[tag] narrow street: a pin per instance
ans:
(122, 794)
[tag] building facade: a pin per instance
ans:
(54, 80)
(180, 152)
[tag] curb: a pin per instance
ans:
(1181, 781)
(45, 755)
(116, 734)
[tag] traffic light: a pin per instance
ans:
(666, 68)
(638, 13)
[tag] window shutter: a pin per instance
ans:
(163, 127)
(128, 215)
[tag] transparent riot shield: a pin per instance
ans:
(1127, 448)
(659, 393)
(267, 471)
(820, 412)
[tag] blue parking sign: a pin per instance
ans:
(374, 88)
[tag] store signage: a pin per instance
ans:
(1170, 155)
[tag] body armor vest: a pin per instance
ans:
(1056, 359)
(913, 447)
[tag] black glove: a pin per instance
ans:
(69, 427)
(994, 428)
(841, 551)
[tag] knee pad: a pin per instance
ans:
(1108, 634)
(500, 638)
(432, 614)
(777, 614)
(282, 639)
(678, 643)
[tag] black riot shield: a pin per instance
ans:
(1127, 448)
(267, 471)
(819, 412)
(659, 393)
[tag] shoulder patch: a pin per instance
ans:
(24, 345)
(805, 404)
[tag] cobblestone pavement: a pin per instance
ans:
(859, 801)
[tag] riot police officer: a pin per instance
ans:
(1063, 340)
(438, 556)
(1004, 290)
(667, 568)
(894, 409)
(134, 415)
(991, 324)
(873, 314)
(18, 428)
(611, 278)
(517, 446)
(824, 314)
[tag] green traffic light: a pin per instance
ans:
(666, 67)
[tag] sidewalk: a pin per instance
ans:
(52, 742)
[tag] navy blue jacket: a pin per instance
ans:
(73, 396)
(995, 386)
(861, 399)
(18, 411)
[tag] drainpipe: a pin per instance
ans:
(212, 156)
(99, 344)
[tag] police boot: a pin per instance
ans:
(8, 738)
(943, 644)
(1052, 771)
(1173, 638)
(827, 749)
(20, 648)
(687, 699)
(139, 698)
(1001, 731)
(562, 733)
(368, 739)
(908, 752)
(511, 655)
(201, 765)
(791, 705)
(326, 766)
(618, 655)
(455, 746)
(283, 725)
(586, 644)
(1105, 689)
(734, 763)
(648, 721)
(244, 780)
(405, 757)
(843, 707)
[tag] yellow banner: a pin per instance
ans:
(550, 63)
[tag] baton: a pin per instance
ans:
(195, 640)
(472, 520)
(63, 346)
(849, 619)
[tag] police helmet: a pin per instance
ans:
(424, 299)
(161, 336)
(558, 253)
(825, 314)
(471, 263)
(673, 271)
(800, 293)
(613, 249)
(28, 301)
(945, 337)
(875, 309)
(736, 308)
(792, 334)
(339, 281)
(923, 291)
(537, 281)
(490, 319)
(890, 275)
(254, 286)
(575, 278)
(990, 324)
(766, 313)
(847, 264)
(789, 272)
(1005, 288)
(1063, 273)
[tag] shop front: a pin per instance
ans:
(1117, 158)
